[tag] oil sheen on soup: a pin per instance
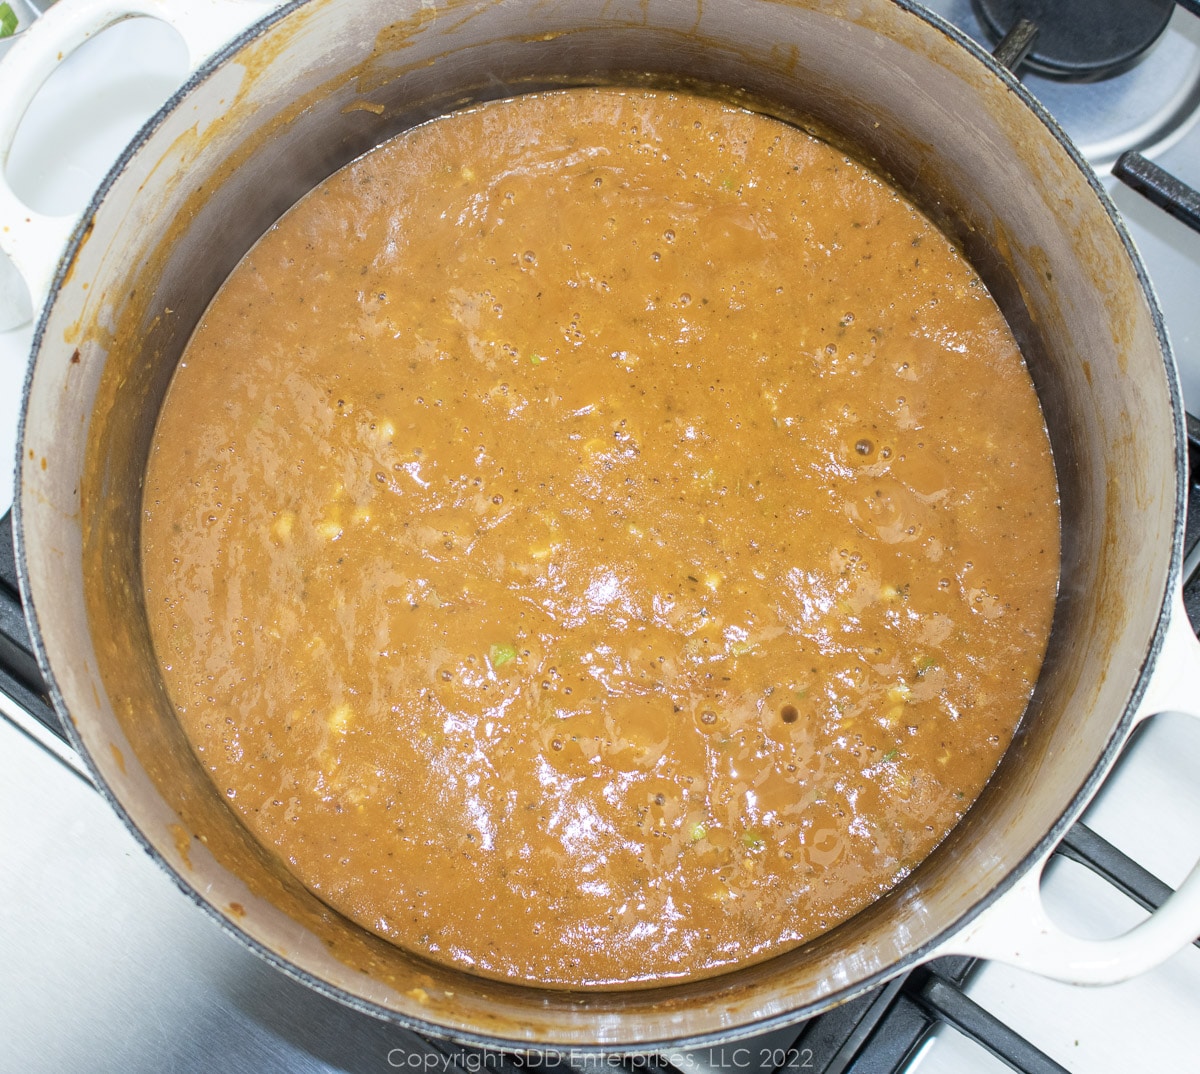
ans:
(601, 536)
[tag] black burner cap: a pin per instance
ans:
(1081, 40)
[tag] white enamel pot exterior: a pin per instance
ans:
(281, 98)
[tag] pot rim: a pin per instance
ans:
(921, 954)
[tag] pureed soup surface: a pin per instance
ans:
(601, 536)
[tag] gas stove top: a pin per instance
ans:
(104, 964)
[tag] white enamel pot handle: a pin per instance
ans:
(1017, 930)
(35, 242)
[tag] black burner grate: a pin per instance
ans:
(1081, 40)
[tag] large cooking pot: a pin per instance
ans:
(284, 101)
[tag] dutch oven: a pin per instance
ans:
(278, 100)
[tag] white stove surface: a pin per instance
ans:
(106, 965)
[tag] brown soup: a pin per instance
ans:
(601, 536)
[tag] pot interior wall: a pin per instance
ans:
(287, 108)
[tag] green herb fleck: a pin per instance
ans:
(500, 655)
(925, 664)
(536, 359)
(8, 20)
(698, 832)
(891, 755)
(753, 839)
